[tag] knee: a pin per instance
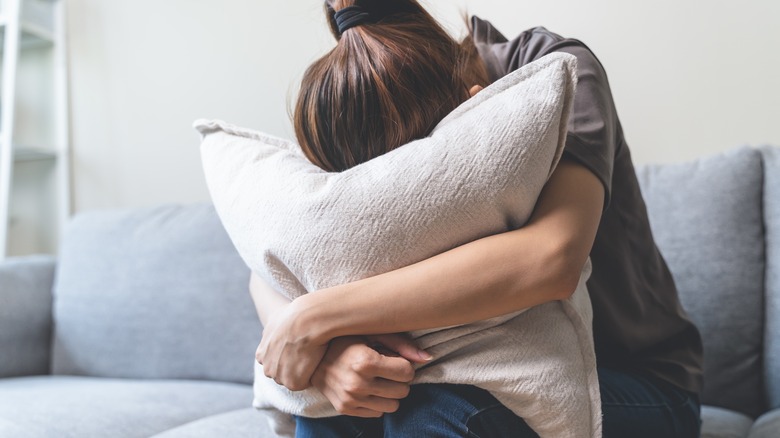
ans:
(337, 427)
(434, 410)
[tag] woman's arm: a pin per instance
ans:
(267, 301)
(500, 274)
(356, 378)
(493, 276)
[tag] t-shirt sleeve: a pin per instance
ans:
(592, 132)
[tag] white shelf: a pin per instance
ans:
(34, 33)
(26, 154)
(33, 36)
(26, 24)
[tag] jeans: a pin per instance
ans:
(633, 406)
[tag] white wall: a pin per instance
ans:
(690, 77)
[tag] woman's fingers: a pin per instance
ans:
(359, 381)
(286, 356)
(396, 369)
(362, 412)
(370, 406)
(403, 346)
(365, 412)
(388, 389)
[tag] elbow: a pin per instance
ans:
(565, 274)
(567, 283)
(252, 290)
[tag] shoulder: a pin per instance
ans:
(503, 56)
(483, 32)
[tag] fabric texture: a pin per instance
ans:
(636, 406)
(766, 426)
(640, 405)
(88, 407)
(771, 157)
(724, 423)
(25, 315)
(242, 423)
(479, 173)
(430, 410)
(707, 219)
(147, 294)
(638, 322)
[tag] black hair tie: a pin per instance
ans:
(350, 17)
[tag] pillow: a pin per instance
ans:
(479, 173)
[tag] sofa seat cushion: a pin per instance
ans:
(242, 423)
(767, 425)
(724, 423)
(85, 407)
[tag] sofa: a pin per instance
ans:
(142, 326)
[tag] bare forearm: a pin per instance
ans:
(538, 263)
(474, 282)
(267, 301)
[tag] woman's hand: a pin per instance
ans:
(367, 376)
(288, 353)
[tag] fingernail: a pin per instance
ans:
(424, 355)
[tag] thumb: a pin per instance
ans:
(402, 345)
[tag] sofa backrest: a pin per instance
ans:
(707, 220)
(772, 227)
(153, 293)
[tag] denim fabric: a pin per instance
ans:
(430, 411)
(642, 406)
(633, 405)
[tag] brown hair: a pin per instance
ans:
(383, 85)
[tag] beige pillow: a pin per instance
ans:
(478, 173)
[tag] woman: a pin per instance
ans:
(392, 76)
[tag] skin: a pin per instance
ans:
(341, 340)
(363, 376)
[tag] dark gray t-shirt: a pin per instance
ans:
(638, 322)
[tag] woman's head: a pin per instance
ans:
(388, 81)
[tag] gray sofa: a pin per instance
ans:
(143, 325)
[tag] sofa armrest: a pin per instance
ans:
(26, 315)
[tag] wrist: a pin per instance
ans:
(310, 314)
